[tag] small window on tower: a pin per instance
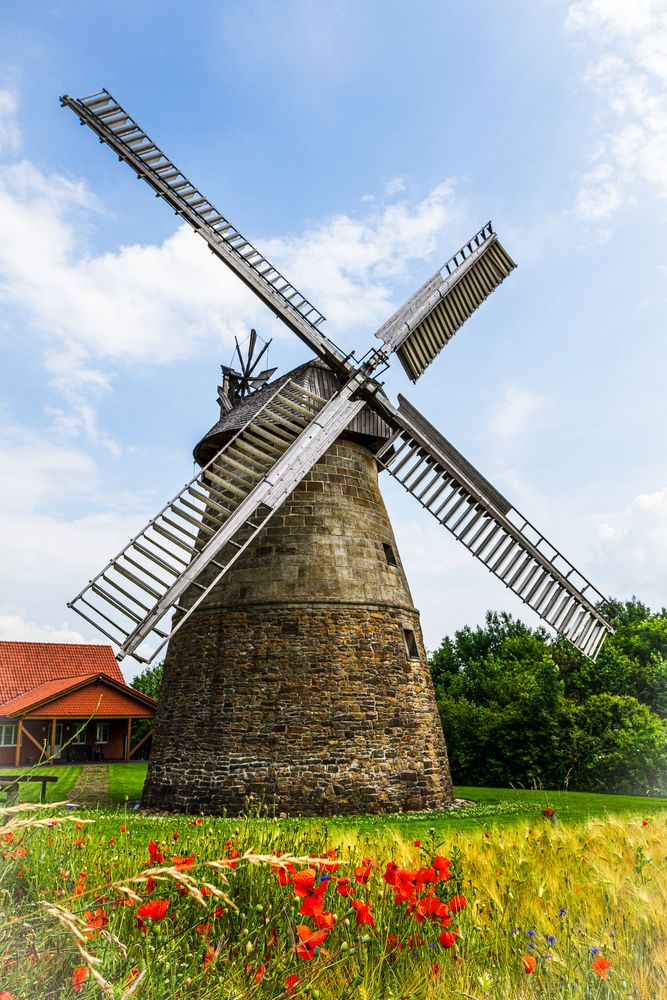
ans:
(411, 643)
(389, 554)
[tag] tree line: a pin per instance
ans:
(521, 707)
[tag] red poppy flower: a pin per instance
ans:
(7, 996)
(528, 964)
(441, 866)
(417, 843)
(324, 919)
(303, 881)
(431, 907)
(457, 903)
(363, 913)
(310, 941)
(153, 850)
(79, 977)
(258, 975)
(600, 966)
(361, 874)
(313, 900)
(448, 938)
(343, 886)
(179, 862)
(211, 954)
(290, 984)
(175, 836)
(155, 909)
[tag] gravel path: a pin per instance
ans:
(92, 788)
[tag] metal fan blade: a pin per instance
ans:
(420, 329)
(462, 500)
(258, 381)
(182, 553)
(114, 126)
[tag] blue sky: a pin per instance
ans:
(359, 145)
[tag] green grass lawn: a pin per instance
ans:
(493, 806)
(126, 782)
(56, 791)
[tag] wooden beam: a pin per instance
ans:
(19, 734)
(140, 743)
(40, 746)
(52, 752)
(129, 737)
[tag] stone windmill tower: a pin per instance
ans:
(296, 667)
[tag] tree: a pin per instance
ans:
(149, 680)
(519, 706)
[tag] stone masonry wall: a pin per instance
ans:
(293, 683)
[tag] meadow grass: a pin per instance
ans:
(535, 889)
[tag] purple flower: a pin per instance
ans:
(594, 951)
(562, 911)
(550, 939)
(532, 933)
(515, 930)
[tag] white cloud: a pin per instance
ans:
(628, 72)
(632, 545)
(18, 628)
(514, 413)
(157, 304)
(10, 134)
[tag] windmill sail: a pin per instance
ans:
(420, 329)
(114, 126)
(205, 528)
(462, 500)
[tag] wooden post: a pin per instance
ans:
(142, 740)
(53, 739)
(19, 737)
(129, 737)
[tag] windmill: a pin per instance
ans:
(296, 667)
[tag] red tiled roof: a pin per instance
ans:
(81, 697)
(26, 665)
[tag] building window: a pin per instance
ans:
(411, 644)
(389, 554)
(8, 735)
(77, 731)
(101, 732)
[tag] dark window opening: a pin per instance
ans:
(411, 643)
(389, 554)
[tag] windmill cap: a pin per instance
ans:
(367, 427)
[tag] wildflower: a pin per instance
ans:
(290, 984)
(457, 903)
(595, 951)
(548, 811)
(79, 842)
(175, 835)
(417, 843)
(258, 975)
(179, 862)
(344, 887)
(210, 954)
(79, 825)
(113, 840)
(448, 938)
(310, 942)
(153, 850)
(7, 996)
(600, 966)
(363, 913)
(441, 866)
(323, 920)
(123, 829)
(362, 873)
(486, 833)
(528, 964)
(532, 933)
(562, 911)
(313, 900)
(644, 822)
(79, 976)
(550, 939)
(155, 909)
(204, 929)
